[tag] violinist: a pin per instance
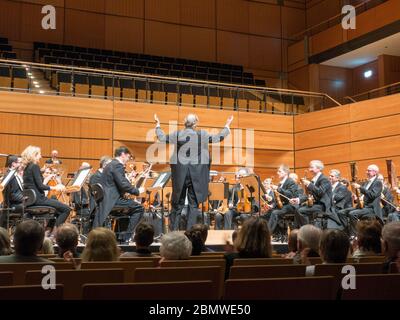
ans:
(284, 191)
(234, 198)
(395, 215)
(268, 198)
(388, 196)
(33, 180)
(321, 190)
(96, 177)
(371, 190)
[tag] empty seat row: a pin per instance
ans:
(13, 77)
(8, 55)
(104, 52)
(246, 78)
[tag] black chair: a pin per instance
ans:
(116, 215)
(39, 213)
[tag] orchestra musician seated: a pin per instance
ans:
(116, 186)
(371, 192)
(319, 195)
(33, 180)
(54, 158)
(286, 190)
(12, 193)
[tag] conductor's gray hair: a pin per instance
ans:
(191, 120)
(318, 164)
(175, 246)
(373, 167)
(309, 236)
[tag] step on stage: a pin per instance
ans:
(216, 241)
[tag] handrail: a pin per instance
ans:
(163, 78)
(296, 36)
(376, 89)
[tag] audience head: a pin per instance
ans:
(254, 239)
(175, 246)
(369, 236)
(203, 229)
(5, 244)
(144, 235)
(334, 246)
(292, 241)
(309, 236)
(47, 247)
(101, 245)
(31, 154)
(195, 237)
(67, 238)
(28, 238)
(391, 239)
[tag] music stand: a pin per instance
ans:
(79, 180)
(159, 184)
(253, 184)
(4, 182)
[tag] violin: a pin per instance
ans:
(310, 198)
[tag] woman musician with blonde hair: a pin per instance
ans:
(33, 180)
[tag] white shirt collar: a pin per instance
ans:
(314, 180)
(283, 181)
(335, 185)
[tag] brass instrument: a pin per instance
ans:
(353, 171)
(310, 198)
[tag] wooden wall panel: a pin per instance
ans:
(97, 129)
(299, 79)
(326, 39)
(10, 19)
(87, 5)
(232, 48)
(264, 19)
(134, 131)
(35, 125)
(362, 84)
(322, 137)
(198, 43)
(10, 144)
(198, 13)
(320, 119)
(375, 148)
(259, 53)
(161, 39)
(209, 117)
(128, 8)
(67, 147)
(9, 123)
(375, 108)
(328, 155)
(233, 15)
(65, 127)
(141, 112)
(58, 106)
(43, 142)
(266, 122)
(375, 128)
(320, 11)
(56, 3)
(293, 21)
(124, 34)
(95, 148)
(161, 10)
(84, 29)
(31, 28)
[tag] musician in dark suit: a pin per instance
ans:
(387, 197)
(371, 191)
(341, 199)
(33, 180)
(116, 185)
(231, 216)
(288, 188)
(54, 158)
(12, 193)
(190, 166)
(321, 190)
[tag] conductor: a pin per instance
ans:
(190, 166)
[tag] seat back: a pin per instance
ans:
(185, 290)
(74, 279)
(211, 273)
(30, 293)
(302, 288)
(97, 192)
(6, 278)
(273, 271)
(154, 259)
(261, 261)
(374, 287)
(129, 267)
(19, 269)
